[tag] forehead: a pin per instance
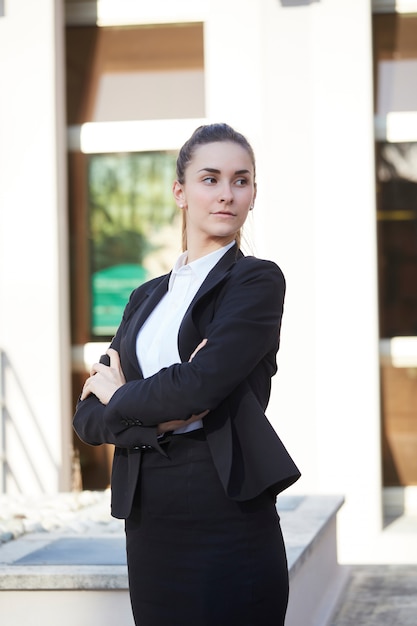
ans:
(221, 155)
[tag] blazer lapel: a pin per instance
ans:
(140, 314)
(147, 306)
(188, 336)
(218, 273)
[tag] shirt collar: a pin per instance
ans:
(200, 267)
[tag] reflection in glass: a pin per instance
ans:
(134, 233)
(397, 238)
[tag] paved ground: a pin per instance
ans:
(379, 595)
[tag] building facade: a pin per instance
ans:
(97, 98)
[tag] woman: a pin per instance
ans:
(197, 465)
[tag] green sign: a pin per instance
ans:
(111, 288)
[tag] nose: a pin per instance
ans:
(226, 194)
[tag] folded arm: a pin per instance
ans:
(244, 330)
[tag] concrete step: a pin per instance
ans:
(81, 576)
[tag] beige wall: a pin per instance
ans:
(33, 269)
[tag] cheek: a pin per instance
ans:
(197, 200)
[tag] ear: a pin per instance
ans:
(254, 195)
(178, 192)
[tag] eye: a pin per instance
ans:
(241, 182)
(210, 180)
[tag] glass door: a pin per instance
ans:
(131, 92)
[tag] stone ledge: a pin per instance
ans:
(68, 560)
(73, 512)
(304, 521)
(79, 574)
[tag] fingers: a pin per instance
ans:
(174, 424)
(165, 427)
(104, 379)
(200, 345)
(104, 367)
(196, 417)
(115, 364)
(97, 367)
(114, 357)
(85, 390)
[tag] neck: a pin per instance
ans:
(195, 252)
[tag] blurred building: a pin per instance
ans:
(96, 98)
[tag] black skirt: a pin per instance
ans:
(195, 557)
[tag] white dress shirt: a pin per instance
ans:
(157, 340)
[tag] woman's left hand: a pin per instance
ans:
(198, 348)
(104, 380)
(165, 427)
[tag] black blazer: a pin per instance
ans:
(238, 308)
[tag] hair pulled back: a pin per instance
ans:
(209, 133)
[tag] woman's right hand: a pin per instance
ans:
(104, 380)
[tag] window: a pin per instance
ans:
(149, 80)
(132, 92)
(397, 237)
(134, 229)
(395, 72)
(395, 69)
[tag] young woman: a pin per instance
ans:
(197, 465)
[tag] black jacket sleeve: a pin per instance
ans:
(244, 331)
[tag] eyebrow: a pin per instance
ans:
(212, 170)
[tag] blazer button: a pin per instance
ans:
(138, 423)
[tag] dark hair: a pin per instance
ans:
(209, 133)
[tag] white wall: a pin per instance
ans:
(82, 607)
(297, 79)
(33, 272)
(320, 225)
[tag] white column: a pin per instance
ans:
(346, 266)
(318, 222)
(34, 328)
(232, 61)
